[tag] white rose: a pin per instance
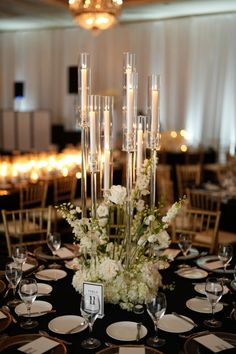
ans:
(102, 211)
(149, 219)
(117, 195)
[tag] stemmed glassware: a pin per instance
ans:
(54, 244)
(225, 254)
(214, 292)
(19, 255)
(90, 307)
(28, 290)
(184, 243)
(156, 308)
(13, 274)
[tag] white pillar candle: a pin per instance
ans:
(139, 148)
(106, 130)
(83, 89)
(93, 143)
(154, 111)
(130, 109)
(106, 169)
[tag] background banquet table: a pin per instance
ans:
(66, 301)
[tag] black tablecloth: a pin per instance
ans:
(66, 301)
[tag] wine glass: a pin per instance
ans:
(225, 254)
(184, 243)
(19, 255)
(214, 292)
(90, 307)
(13, 274)
(28, 290)
(54, 244)
(156, 308)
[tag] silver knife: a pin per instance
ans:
(185, 319)
(139, 325)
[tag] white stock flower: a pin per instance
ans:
(171, 213)
(140, 205)
(117, 195)
(149, 219)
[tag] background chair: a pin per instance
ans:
(187, 176)
(203, 225)
(205, 200)
(27, 227)
(64, 189)
(34, 195)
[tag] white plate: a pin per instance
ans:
(202, 305)
(200, 288)
(44, 289)
(64, 324)
(192, 273)
(202, 262)
(174, 324)
(51, 274)
(37, 306)
(125, 331)
(193, 253)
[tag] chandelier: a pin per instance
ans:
(95, 14)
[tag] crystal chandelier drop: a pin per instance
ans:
(95, 14)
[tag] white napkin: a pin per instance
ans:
(27, 266)
(39, 346)
(63, 252)
(2, 315)
(131, 350)
(214, 265)
(171, 253)
(214, 343)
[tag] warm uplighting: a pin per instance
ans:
(95, 14)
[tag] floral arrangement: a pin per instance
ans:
(128, 279)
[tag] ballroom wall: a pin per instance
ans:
(194, 55)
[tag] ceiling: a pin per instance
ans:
(37, 14)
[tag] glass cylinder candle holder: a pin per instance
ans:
(106, 145)
(140, 143)
(130, 112)
(153, 117)
(84, 88)
(94, 104)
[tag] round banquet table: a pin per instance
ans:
(66, 301)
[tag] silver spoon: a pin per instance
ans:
(6, 308)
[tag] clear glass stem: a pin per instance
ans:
(156, 331)
(29, 313)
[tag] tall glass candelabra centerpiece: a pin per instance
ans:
(84, 89)
(153, 129)
(130, 83)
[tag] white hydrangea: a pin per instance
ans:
(108, 269)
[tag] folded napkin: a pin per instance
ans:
(39, 346)
(131, 350)
(214, 265)
(27, 266)
(63, 252)
(2, 315)
(171, 253)
(214, 343)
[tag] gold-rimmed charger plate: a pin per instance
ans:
(191, 346)
(10, 344)
(5, 322)
(115, 349)
(2, 286)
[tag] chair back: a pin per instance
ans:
(206, 200)
(27, 227)
(188, 176)
(203, 225)
(33, 195)
(165, 185)
(64, 189)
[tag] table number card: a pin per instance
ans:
(95, 289)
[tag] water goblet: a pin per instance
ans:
(13, 274)
(184, 243)
(28, 290)
(19, 255)
(225, 254)
(214, 292)
(54, 244)
(90, 307)
(156, 308)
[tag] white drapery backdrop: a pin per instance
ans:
(195, 57)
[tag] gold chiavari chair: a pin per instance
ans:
(188, 176)
(33, 195)
(206, 200)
